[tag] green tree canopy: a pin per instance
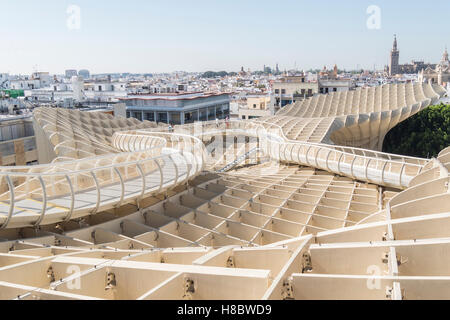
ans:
(423, 135)
(213, 74)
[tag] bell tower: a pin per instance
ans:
(394, 61)
(445, 56)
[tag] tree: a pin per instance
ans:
(423, 135)
(212, 74)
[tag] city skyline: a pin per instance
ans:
(153, 37)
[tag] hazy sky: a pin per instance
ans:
(198, 35)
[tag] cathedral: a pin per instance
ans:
(439, 74)
(395, 68)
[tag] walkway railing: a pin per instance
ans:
(238, 160)
(62, 191)
(150, 162)
(360, 164)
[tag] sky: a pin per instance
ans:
(153, 36)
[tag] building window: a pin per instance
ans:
(212, 113)
(175, 118)
(189, 117)
(203, 114)
(334, 89)
(162, 117)
(150, 116)
(137, 115)
(283, 91)
(226, 111)
(277, 91)
(254, 106)
(310, 92)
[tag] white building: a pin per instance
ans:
(257, 107)
(335, 85)
(105, 91)
(4, 81)
(36, 81)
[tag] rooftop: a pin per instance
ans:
(173, 96)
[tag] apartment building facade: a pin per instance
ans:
(256, 107)
(293, 88)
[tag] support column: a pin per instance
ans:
(19, 150)
(235, 144)
(224, 147)
(247, 149)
